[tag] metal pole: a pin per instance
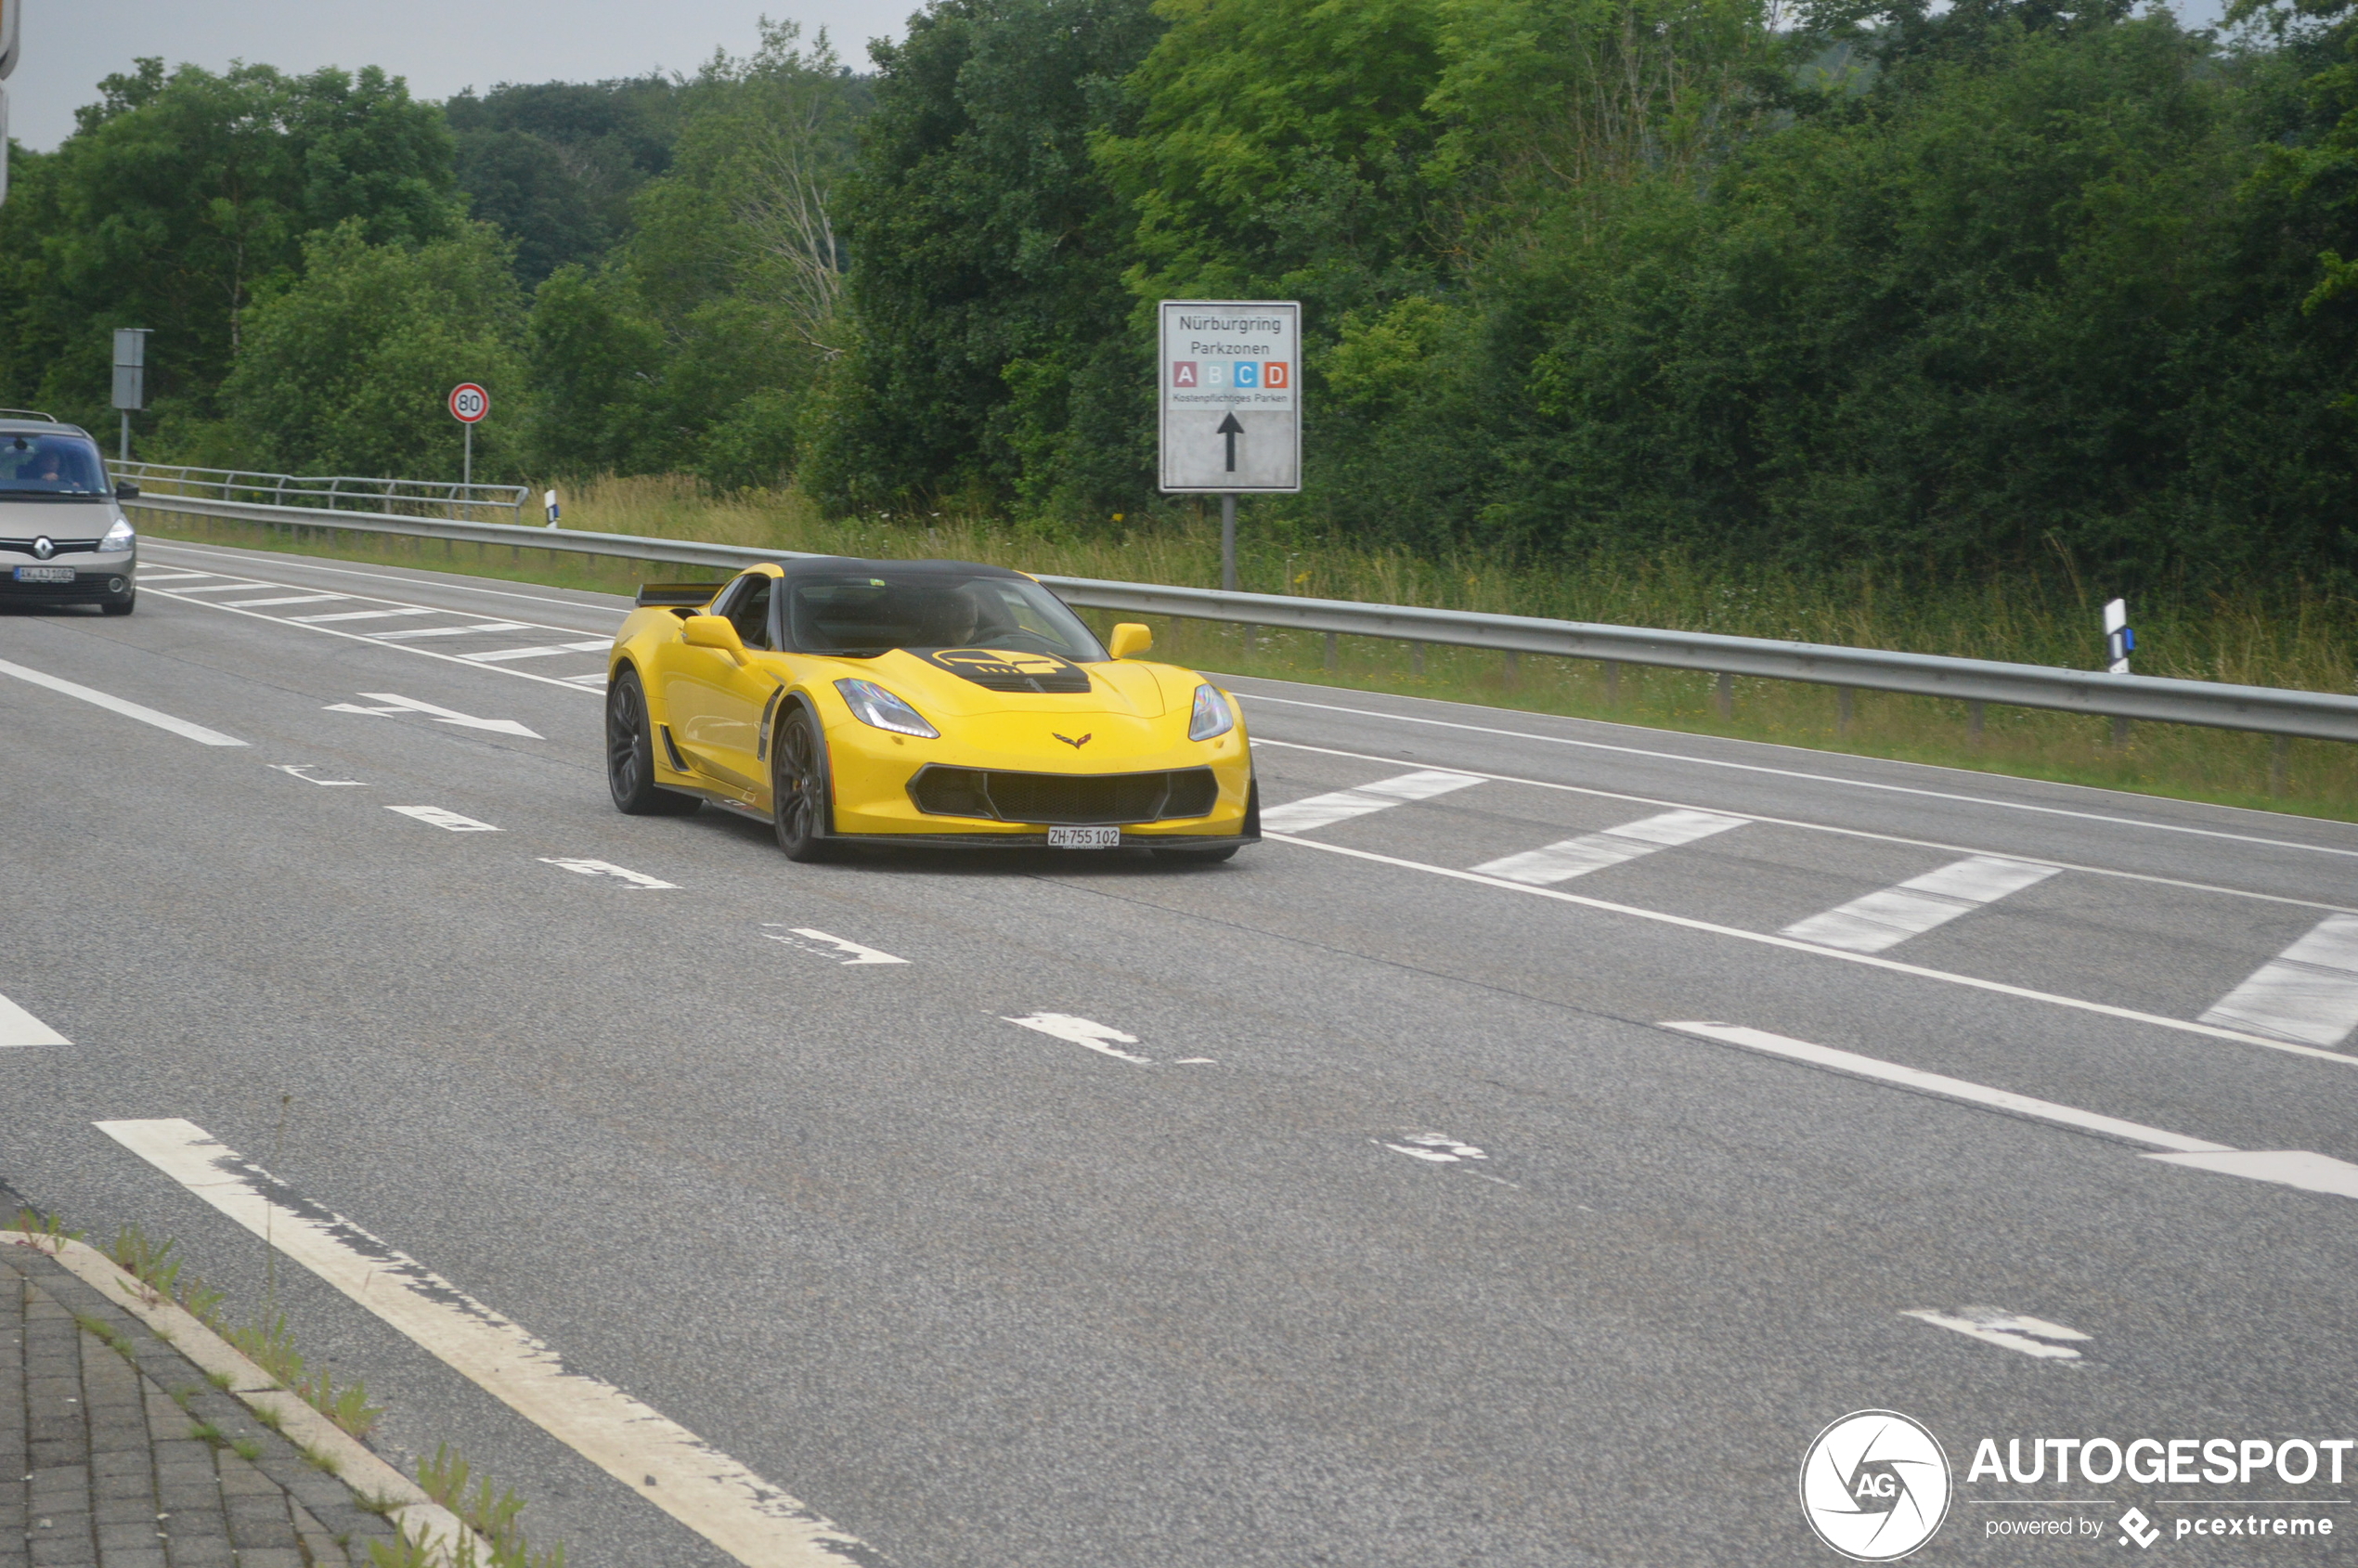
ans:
(123, 454)
(467, 471)
(1228, 542)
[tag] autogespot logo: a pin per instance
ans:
(1874, 1486)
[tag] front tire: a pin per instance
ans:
(631, 755)
(122, 606)
(800, 806)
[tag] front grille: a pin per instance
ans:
(24, 547)
(1065, 799)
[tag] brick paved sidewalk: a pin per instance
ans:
(115, 1451)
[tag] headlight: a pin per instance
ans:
(120, 537)
(1212, 716)
(871, 704)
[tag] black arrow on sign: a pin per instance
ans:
(1231, 429)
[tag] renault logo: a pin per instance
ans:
(43, 548)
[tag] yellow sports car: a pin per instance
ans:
(919, 703)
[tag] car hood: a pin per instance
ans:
(61, 518)
(960, 682)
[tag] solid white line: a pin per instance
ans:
(1814, 778)
(2285, 1167)
(1949, 1088)
(1890, 916)
(1828, 827)
(653, 1456)
(442, 819)
(147, 576)
(116, 704)
(1594, 852)
(21, 1028)
(227, 588)
(2307, 992)
(2105, 1009)
(1341, 804)
(297, 598)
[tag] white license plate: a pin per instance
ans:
(1085, 838)
(45, 573)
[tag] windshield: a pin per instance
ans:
(50, 465)
(864, 614)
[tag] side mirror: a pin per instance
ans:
(713, 631)
(1130, 639)
(124, 490)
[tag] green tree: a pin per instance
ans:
(346, 371)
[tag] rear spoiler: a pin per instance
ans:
(678, 596)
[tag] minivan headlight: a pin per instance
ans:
(120, 537)
(1212, 716)
(871, 704)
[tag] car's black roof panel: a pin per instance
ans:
(844, 565)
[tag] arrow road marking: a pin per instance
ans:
(1080, 1031)
(820, 942)
(396, 703)
(654, 1457)
(441, 818)
(607, 868)
(298, 769)
(21, 1028)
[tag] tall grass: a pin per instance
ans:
(2267, 635)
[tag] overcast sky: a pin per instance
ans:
(441, 46)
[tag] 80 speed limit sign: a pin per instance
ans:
(469, 403)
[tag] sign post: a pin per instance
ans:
(1230, 373)
(469, 403)
(130, 373)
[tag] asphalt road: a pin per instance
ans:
(985, 1295)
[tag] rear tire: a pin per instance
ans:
(631, 755)
(801, 806)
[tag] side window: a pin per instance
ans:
(749, 611)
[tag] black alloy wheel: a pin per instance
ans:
(631, 755)
(799, 804)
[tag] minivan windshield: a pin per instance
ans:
(50, 465)
(866, 613)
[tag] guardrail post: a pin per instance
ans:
(1726, 696)
(1330, 653)
(1972, 724)
(2119, 731)
(1613, 682)
(2279, 764)
(1513, 669)
(1416, 658)
(1843, 712)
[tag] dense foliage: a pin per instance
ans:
(2017, 281)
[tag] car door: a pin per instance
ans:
(716, 706)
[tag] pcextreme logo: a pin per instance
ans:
(1875, 1485)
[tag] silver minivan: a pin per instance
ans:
(63, 537)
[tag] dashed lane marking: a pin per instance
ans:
(297, 598)
(442, 819)
(1859, 833)
(1341, 804)
(1876, 961)
(415, 634)
(1814, 778)
(1890, 916)
(501, 655)
(1080, 1031)
(2294, 1168)
(808, 940)
(181, 727)
(1594, 852)
(226, 587)
(654, 1457)
(2307, 993)
(359, 615)
(2014, 1330)
(607, 868)
(21, 1028)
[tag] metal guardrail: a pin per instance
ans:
(2267, 709)
(330, 491)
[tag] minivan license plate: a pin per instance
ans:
(1085, 838)
(45, 573)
